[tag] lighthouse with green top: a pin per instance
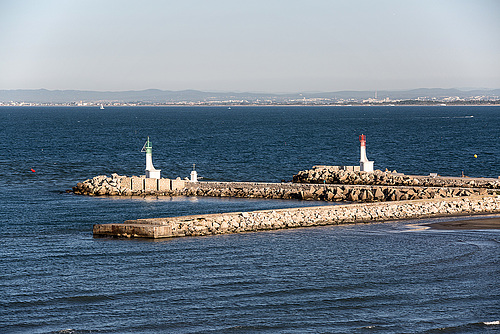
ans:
(151, 171)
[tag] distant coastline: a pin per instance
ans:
(232, 104)
(155, 97)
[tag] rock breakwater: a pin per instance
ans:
(339, 175)
(235, 222)
(325, 192)
(117, 185)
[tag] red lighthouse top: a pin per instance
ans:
(362, 139)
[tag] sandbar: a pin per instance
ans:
(469, 224)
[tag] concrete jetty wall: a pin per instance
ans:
(117, 185)
(235, 222)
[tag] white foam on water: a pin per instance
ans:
(415, 228)
(368, 327)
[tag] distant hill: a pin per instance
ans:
(149, 95)
(168, 96)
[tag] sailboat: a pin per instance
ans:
(102, 107)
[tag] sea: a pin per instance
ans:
(390, 277)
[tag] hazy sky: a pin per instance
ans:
(251, 45)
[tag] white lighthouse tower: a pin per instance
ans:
(151, 171)
(364, 164)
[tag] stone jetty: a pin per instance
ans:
(350, 190)
(352, 175)
(236, 222)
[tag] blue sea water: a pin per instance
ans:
(375, 278)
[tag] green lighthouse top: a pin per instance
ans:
(148, 147)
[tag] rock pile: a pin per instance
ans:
(336, 175)
(102, 185)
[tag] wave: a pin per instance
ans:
(455, 117)
(474, 327)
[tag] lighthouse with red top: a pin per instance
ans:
(364, 164)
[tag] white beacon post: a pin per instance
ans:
(194, 175)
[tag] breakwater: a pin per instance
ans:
(352, 175)
(235, 222)
(116, 185)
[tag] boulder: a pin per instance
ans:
(379, 194)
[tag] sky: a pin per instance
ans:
(273, 46)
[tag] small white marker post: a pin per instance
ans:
(194, 174)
